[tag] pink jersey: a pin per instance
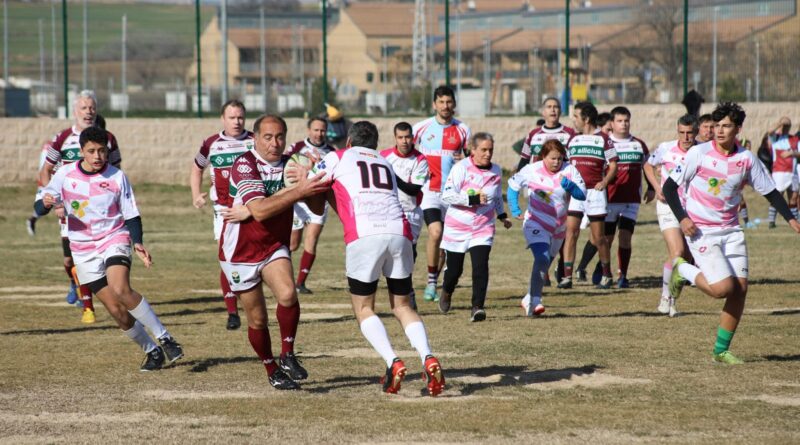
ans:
(219, 152)
(366, 193)
(547, 200)
(465, 225)
(536, 138)
(96, 204)
(306, 148)
(590, 153)
(714, 183)
(668, 155)
(627, 186)
(252, 241)
(411, 169)
(439, 143)
(65, 148)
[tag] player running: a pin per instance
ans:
(315, 147)
(713, 176)
(550, 183)
(552, 129)
(103, 220)
(442, 139)
(474, 193)
(253, 247)
(592, 153)
(377, 240)
(218, 152)
(411, 171)
(783, 146)
(666, 157)
(63, 150)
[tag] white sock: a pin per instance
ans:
(419, 339)
(375, 333)
(665, 278)
(149, 319)
(689, 272)
(526, 300)
(139, 335)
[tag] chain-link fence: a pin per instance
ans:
(385, 57)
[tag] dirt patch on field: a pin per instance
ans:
(31, 289)
(304, 305)
(370, 353)
(591, 380)
(198, 395)
(776, 400)
(29, 297)
(205, 291)
(321, 316)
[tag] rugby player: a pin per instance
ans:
(63, 150)
(103, 220)
(705, 129)
(315, 147)
(474, 192)
(592, 153)
(218, 152)
(783, 146)
(552, 129)
(714, 174)
(666, 157)
(377, 240)
(442, 139)
(254, 248)
(411, 171)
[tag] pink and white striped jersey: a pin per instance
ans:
(96, 204)
(547, 200)
(65, 148)
(305, 147)
(668, 155)
(467, 226)
(439, 143)
(252, 241)
(366, 193)
(536, 138)
(411, 169)
(219, 151)
(714, 183)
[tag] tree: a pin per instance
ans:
(317, 101)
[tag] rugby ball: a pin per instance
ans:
(294, 161)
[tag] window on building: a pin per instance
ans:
(370, 76)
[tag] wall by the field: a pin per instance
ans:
(162, 150)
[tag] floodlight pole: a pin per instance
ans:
(199, 70)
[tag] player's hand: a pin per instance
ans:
(688, 228)
(507, 223)
(649, 195)
(199, 201)
(49, 200)
(311, 186)
(520, 217)
(237, 213)
(600, 186)
(296, 172)
(660, 196)
(795, 225)
(143, 254)
(60, 212)
(786, 154)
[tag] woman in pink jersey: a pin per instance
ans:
(475, 195)
(550, 183)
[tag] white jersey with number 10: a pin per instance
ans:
(366, 193)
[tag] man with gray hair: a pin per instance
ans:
(65, 149)
(377, 239)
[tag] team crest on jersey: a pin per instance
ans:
(544, 195)
(218, 160)
(235, 277)
(78, 207)
(225, 174)
(243, 169)
(714, 185)
(104, 185)
(321, 165)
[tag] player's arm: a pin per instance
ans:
(762, 182)
(673, 199)
(51, 195)
(267, 207)
(499, 208)
(196, 183)
(611, 173)
(515, 184)
(652, 180)
(407, 187)
(452, 193)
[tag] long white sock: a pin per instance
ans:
(689, 272)
(419, 339)
(665, 278)
(526, 300)
(144, 313)
(139, 335)
(772, 213)
(375, 333)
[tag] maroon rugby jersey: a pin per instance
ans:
(590, 153)
(627, 187)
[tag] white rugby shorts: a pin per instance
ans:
(219, 221)
(720, 254)
(666, 219)
(433, 200)
(303, 215)
(245, 276)
(366, 259)
(92, 266)
(784, 180)
(414, 218)
(535, 234)
(616, 210)
(596, 203)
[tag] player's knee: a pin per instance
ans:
(286, 297)
(724, 289)
(435, 231)
(542, 258)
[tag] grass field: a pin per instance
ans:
(599, 367)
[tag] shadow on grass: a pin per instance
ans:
(785, 312)
(643, 314)
(193, 300)
(773, 281)
(77, 329)
(186, 312)
(508, 376)
(204, 364)
(782, 358)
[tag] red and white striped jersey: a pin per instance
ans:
(96, 204)
(305, 147)
(366, 193)
(537, 137)
(252, 178)
(439, 143)
(65, 148)
(411, 169)
(219, 151)
(627, 186)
